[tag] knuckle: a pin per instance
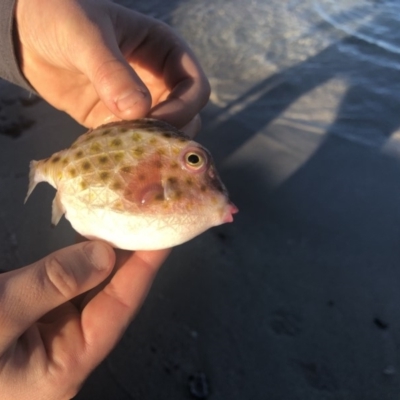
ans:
(106, 71)
(61, 277)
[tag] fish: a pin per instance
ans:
(137, 185)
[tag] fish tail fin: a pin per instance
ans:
(33, 179)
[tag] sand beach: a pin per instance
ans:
(299, 298)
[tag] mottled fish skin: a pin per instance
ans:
(138, 184)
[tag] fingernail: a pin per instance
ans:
(129, 100)
(98, 254)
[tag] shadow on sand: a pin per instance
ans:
(283, 304)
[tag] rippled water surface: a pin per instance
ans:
(375, 21)
(265, 36)
(330, 56)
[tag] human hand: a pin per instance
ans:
(99, 62)
(62, 315)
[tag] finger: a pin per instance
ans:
(28, 293)
(190, 89)
(118, 302)
(116, 83)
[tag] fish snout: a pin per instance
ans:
(231, 209)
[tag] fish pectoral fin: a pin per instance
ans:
(57, 211)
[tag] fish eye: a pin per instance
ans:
(194, 160)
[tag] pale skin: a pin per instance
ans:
(82, 56)
(99, 62)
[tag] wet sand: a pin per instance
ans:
(299, 297)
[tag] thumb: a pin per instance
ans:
(30, 292)
(115, 81)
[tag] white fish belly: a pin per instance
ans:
(131, 232)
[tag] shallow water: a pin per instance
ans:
(278, 34)
(325, 56)
(374, 21)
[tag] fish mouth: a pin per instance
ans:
(231, 210)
